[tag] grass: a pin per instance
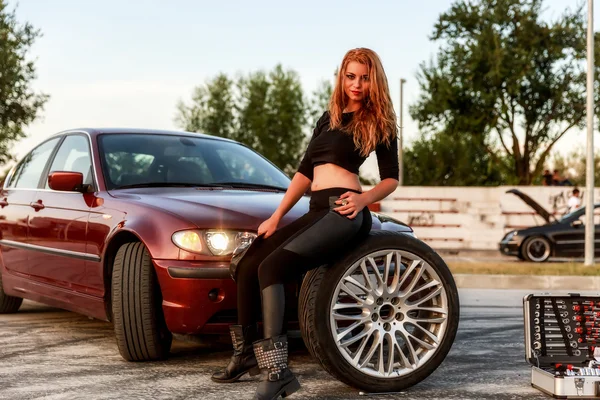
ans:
(522, 268)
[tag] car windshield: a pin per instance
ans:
(573, 214)
(579, 212)
(139, 160)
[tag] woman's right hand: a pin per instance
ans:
(268, 227)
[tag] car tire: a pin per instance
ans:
(321, 294)
(536, 249)
(8, 304)
(139, 323)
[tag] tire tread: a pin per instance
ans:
(136, 315)
(8, 304)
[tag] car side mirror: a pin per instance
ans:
(67, 181)
(577, 223)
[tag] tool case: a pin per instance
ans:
(561, 335)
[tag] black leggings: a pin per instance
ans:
(306, 243)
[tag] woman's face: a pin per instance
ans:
(356, 82)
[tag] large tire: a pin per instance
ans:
(536, 249)
(8, 304)
(395, 315)
(140, 328)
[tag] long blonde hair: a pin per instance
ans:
(375, 121)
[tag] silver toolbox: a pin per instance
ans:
(561, 332)
(565, 387)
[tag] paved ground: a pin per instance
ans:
(47, 353)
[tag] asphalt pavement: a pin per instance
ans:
(47, 353)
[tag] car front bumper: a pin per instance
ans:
(509, 247)
(198, 297)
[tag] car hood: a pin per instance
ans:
(541, 211)
(242, 209)
(230, 208)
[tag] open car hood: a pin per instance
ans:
(541, 211)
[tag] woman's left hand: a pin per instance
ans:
(351, 203)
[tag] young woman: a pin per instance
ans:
(360, 120)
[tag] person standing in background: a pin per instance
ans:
(574, 201)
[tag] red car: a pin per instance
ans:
(138, 227)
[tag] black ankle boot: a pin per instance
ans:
(278, 380)
(243, 359)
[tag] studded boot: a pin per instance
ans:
(243, 359)
(277, 380)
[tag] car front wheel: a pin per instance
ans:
(8, 304)
(536, 249)
(384, 316)
(140, 328)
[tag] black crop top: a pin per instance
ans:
(336, 147)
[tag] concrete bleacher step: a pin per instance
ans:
(485, 210)
(424, 203)
(448, 231)
(530, 220)
(489, 218)
(424, 199)
(444, 244)
(428, 218)
(477, 215)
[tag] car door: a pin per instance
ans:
(58, 226)
(15, 201)
(570, 238)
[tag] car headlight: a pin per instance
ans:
(510, 235)
(214, 242)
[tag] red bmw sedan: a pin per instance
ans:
(137, 227)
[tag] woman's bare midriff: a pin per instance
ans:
(330, 175)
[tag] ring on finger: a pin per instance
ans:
(344, 202)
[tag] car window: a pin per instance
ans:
(125, 168)
(73, 156)
(573, 215)
(583, 217)
(29, 171)
(242, 169)
(200, 168)
(137, 159)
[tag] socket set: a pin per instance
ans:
(562, 333)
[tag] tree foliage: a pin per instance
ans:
(506, 80)
(319, 102)
(266, 111)
(442, 160)
(573, 166)
(19, 104)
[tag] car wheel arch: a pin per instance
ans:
(112, 247)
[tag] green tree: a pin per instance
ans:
(441, 160)
(506, 79)
(573, 166)
(284, 137)
(19, 104)
(253, 114)
(264, 111)
(212, 109)
(319, 102)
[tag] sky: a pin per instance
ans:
(128, 63)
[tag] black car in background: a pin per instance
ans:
(559, 237)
